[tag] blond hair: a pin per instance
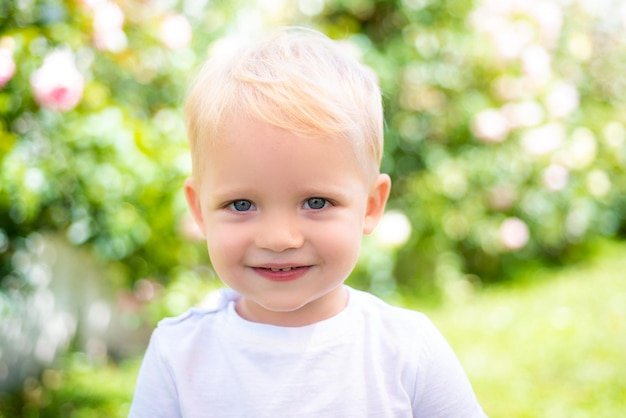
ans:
(298, 80)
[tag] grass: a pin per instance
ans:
(552, 345)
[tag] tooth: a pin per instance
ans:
(279, 269)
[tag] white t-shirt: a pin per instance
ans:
(370, 360)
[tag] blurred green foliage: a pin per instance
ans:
(505, 138)
(79, 389)
(108, 172)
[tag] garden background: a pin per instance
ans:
(505, 140)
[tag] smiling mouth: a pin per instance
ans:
(282, 274)
(282, 269)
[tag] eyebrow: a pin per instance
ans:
(326, 191)
(221, 195)
(224, 194)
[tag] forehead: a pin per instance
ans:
(252, 148)
(258, 135)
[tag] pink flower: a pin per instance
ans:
(57, 84)
(514, 234)
(107, 16)
(562, 100)
(108, 24)
(7, 66)
(175, 32)
(555, 177)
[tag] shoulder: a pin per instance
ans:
(196, 319)
(189, 318)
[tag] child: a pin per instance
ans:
(286, 140)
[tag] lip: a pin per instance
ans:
(281, 273)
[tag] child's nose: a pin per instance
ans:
(279, 233)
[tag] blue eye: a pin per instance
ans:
(241, 205)
(316, 203)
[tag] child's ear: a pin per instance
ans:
(379, 193)
(191, 194)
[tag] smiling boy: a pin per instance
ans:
(286, 139)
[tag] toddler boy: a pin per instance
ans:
(286, 139)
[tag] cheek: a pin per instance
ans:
(340, 245)
(224, 243)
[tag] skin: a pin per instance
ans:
(283, 217)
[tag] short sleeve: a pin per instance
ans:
(442, 387)
(155, 391)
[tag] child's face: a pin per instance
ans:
(283, 217)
